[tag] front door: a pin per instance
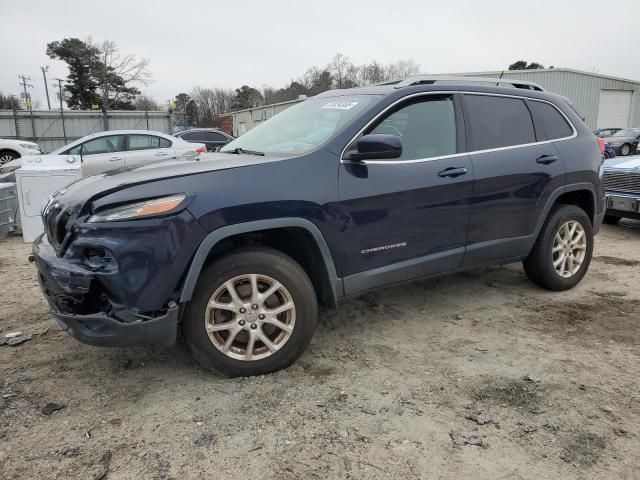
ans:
(407, 217)
(102, 154)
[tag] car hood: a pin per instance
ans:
(623, 163)
(88, 188)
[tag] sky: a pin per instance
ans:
(270, 42)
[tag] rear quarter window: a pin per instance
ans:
(498, 122)
(553, 123)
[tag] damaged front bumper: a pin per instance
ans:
(88, 315)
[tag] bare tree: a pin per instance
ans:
(210, 104)
(9, 102)
(119, 75)
(339, 67)
(144, 102)
(402, 69)
(372, 72)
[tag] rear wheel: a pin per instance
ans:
(253, 312)
(625, 149)
(561, 256)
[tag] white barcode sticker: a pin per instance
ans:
(340, 105)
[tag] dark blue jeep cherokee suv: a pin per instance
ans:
(345, 192)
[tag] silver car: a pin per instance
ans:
(109, 150)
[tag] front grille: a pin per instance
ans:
(55, 224)
(628, 182)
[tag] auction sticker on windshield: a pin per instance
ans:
(340, 105)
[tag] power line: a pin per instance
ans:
(27, 99)
(64, 132)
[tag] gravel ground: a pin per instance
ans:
(476, 375)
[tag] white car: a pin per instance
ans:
(113, 149)
(12, 149)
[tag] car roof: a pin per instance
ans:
(203, 129)
(401, 91)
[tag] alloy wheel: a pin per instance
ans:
(625, 150)
(6, 158)
(569, 248)
(250, 317)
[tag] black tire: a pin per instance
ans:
(625, 150)
(7, 156)
(262, 261)
(611, 219)
(539, 265)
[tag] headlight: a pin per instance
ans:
(30, 146)
(148, 208)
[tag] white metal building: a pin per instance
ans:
(603, 100)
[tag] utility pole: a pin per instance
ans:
(27, 99)
(105, 98)
(64, 132)
(46, 87)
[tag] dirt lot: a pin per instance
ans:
(384, 391)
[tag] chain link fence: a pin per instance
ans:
(53, 129)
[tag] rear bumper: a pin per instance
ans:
(91, 317)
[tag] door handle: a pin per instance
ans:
(452, 172)
(115, 159)
(161, 154)
(546, 159)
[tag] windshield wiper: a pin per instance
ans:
(239, 150)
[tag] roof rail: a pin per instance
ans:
(431, 79)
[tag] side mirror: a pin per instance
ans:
(376, 146)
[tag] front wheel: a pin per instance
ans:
(253, 312)
(7, 156)
(561, 256)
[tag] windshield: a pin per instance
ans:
(627, 132)
(303, 127)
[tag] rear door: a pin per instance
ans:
(145, 148)
(407, 217)
(516, 170)
(102, 154)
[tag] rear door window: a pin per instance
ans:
(190, 136)
(217, 137)
(553, 123)
(497, 122)
(147, 142)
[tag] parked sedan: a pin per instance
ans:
(11, 149)
(625, 141)
(605, 132)
(213, 138)
(109, 150)
(622, 187)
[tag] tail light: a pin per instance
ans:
(201, 149)
(601, 144)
